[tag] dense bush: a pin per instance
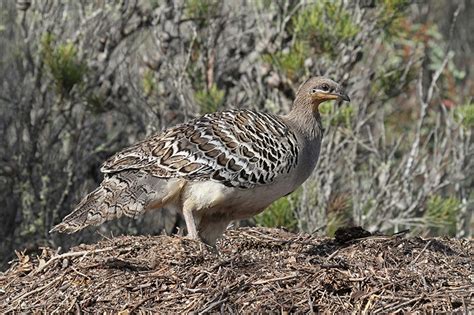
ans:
(80, 80)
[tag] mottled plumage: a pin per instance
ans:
(214, 169)
(238, 148)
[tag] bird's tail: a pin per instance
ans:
(126, 193)
(92, 210)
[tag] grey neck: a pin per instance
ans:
(304, 117)
(305, 121)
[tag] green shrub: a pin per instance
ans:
(334, 222)
(279, 214)
(339, 213)
(465, 115)
(441, 213)
(209, 100)
(323, 26)
(63, 64)
(342, 116)
(291, 62)
(148, 82)
(391, 16)
(389, 78)
(318, 29)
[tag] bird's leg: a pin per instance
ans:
(190, 223)
(214, 250)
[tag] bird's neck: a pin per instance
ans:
(305, 118)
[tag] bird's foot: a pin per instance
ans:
(213, 249)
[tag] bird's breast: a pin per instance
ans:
(307, 160)
(235, 203)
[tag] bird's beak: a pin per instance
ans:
(338, 94)
(343, 96)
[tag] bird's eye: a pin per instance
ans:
(325, 87)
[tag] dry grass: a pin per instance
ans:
(256, 270)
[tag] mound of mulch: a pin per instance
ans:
(255, 270)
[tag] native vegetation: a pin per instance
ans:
(81, 80)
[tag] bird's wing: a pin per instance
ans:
(240, 148)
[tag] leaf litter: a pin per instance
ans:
(253, 270)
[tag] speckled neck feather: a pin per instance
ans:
(305, 118)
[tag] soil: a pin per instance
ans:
(253, 270)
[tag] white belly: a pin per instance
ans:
(211, 197)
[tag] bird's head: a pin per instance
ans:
(320, 89)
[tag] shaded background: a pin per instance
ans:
(79, 80)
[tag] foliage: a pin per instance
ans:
(390, 76)
(442, 213)
(465, 115)
(337, 116)
(128, 69)
(210, 100)
(64, 66)
(391, 18)
(289, 62)
(318, 29)
(279, 214)
(148, 82)
(339, 214)
(324, 26)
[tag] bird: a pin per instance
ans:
(215, 169)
